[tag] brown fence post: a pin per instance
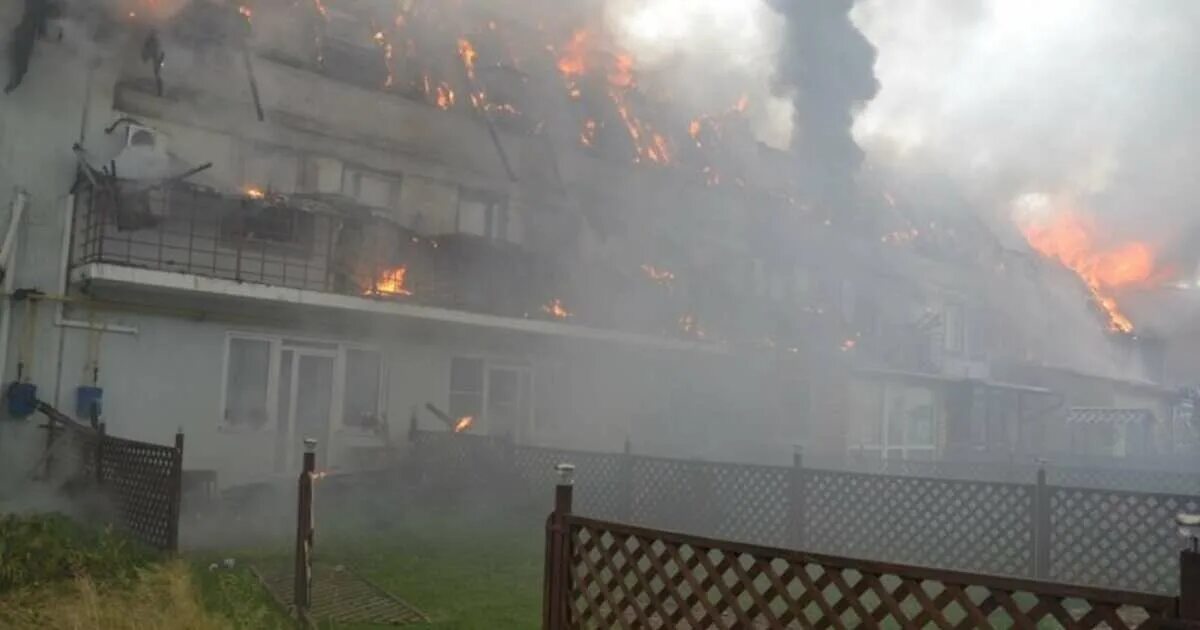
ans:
(101, 434)
(1041, 525)
(1189, 569)
(799, 497)
(302, 586)
(556, 607)
(49, 456)
(176, 487)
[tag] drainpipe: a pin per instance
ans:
(60, 320)
(7, 254)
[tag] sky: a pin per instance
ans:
(1090, 101)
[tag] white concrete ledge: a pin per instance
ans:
(100, 275)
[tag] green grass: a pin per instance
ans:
(464, 570)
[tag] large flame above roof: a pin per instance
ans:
(1072, 237)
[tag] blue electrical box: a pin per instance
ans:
(88, 398)
(22, 399)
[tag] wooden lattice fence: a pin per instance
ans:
(1103, 538)
(141, 481)
(603, 574)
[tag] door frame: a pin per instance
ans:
(287, 426)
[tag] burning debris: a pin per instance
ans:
(690, 327)
(464, 424)
(657, 275)
(555, 309)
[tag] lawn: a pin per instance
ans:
(464, 568)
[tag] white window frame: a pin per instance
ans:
(272, 422)
(887, 445)
(496, 207)
(338, 421)
(277, 343)
(524, 426)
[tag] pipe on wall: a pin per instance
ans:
(8, 264)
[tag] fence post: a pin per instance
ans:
(1189, 584)
(1189, 568)
(49, 459)
(176, 488)
(302, 586)
(101, 433)
(625, 509)
(1041, 525)
(556, 604)
(799, 497)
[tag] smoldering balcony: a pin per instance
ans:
(260, 246)
(307, 243)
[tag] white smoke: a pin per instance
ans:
(711, 52)
(1091, 99)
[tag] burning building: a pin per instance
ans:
(308, 219)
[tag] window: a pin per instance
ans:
(361, 392)
(484, 216)
(899, 421)
(371, 189)
(270, 170)
(497, 395)
(247, 377)
(466, 387)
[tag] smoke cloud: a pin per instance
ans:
(1090, 100)
(707, 53)
(826, 68)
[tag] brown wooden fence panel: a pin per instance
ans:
(140, 481)
(1115, 538)
(620, 576)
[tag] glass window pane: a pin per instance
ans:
(472, 217)
(466, 375)
(246, 388)
(361, 404)
(502, 387)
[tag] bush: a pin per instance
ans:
(41, 548)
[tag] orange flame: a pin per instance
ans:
(464, 423)
(254, 193)
(573, 60)
(556, 309)
(390, 282)
(1069, 237)
(587, 137)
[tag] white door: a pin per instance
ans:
(305, 405)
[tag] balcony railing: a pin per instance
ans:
(328, 245)
(305, 243)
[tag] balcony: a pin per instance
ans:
(318, 247)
